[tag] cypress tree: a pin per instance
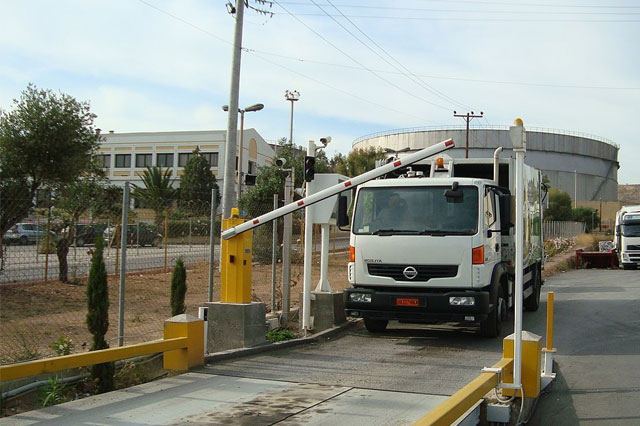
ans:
(178, 288)
(98, 317)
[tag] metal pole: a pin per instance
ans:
(212, 239)
(166, 237)
(466, 146)
(123, 261)
(517, 357)
(274, 255)
(291, 123)
(308, 247)
(575, 189)
(323, 283)
(46, 248)
(240, 153)
(228, 197)
(286, 249)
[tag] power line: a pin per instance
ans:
(471, 80)
(258, 54)
(419, 81)
(444, 18)
(418, 9)
(358, 62)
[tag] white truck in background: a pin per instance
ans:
(627, 236)
(436, 244)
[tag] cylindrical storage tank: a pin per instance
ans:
(584, 166)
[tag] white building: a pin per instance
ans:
(125, 156)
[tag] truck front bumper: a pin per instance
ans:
(417, 306)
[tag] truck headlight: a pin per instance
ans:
(462, 301)
(360, 297)
(625, 257)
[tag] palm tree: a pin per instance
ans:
(157, 194)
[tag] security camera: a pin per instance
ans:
(281, 162)
(325, 141)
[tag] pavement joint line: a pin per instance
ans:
(269, 347)
(312, 406)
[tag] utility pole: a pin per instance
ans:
(467, 117)
(291, 96)
(228, 197)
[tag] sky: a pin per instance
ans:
(360, 66)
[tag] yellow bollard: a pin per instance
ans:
(235, 277)
(193, 355)
(531, 357)
(550, 298)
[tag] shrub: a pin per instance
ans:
(63, 346)
(98, 316)
(178, 288)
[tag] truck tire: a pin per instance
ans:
(375, 326)
(532, 303)
(492, 326)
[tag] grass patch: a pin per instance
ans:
(280, 335)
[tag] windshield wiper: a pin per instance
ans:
(395, 231)
(437, 232)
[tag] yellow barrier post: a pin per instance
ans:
(531, 357)
(548, 375)
(235, 286)
(460, 402)
(192, 328)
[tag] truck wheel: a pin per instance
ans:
(375, 326)
(532, 303)
(492, 326)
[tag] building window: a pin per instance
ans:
(183, 158)
(236, 164)
(212, 158)
(164, 160)
(123, 161)
(144, 160)
(104, 160)
(253, 168)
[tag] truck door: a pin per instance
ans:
(491, 213)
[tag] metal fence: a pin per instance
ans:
(38, 309)
(566, 229)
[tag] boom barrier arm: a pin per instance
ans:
(338, 188)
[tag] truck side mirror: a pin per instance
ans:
(505, 213)
(343, 216)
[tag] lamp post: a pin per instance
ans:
(252, 108)
(291, 96)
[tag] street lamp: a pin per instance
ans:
(291, 96)
(252, 108)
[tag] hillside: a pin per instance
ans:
(629, 194)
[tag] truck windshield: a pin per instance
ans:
(631, 230)
(419, 210)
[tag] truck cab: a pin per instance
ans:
(628, 237)
(434, 249)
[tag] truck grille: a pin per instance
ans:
(633, 247)
(425, 272)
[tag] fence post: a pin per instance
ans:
(46, 249)
(123, 261)
(286, 249)
(274, 255)
(212, 239)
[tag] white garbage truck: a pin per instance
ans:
(436, 244)
(627, 236)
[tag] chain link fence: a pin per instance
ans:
(564, 229)
(39, 312)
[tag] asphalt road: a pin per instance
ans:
(598, 340)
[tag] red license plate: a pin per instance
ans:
(405, 301)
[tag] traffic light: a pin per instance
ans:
(309, 168)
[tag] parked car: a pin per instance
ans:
(148, 235)
(86, 234)
(26, 233)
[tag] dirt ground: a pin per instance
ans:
(34, 315)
